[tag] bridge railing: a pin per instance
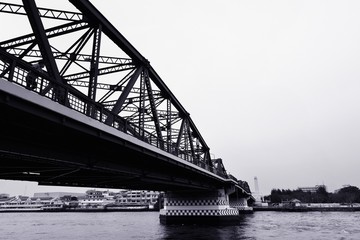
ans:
(16, 70)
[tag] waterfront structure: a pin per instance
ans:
(19, 203)
(29, 204)
(91, 200)
(95, 199)
(295, 205)
(136, 133)
(137, 199)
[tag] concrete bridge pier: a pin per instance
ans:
(198, 207)
(241, 204)
(239, 200)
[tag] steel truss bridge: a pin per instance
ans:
(92, 119)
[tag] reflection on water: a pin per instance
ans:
(146, 225)
(207, 232)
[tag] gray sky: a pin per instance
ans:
(273, 86)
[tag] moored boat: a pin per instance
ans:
(19, 204)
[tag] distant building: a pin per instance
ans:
(92, 199)
(58, 194)
(96, 199)
(137, 197)
(312, 189)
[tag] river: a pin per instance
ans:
(146, 225)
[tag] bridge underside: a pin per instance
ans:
(37, 144)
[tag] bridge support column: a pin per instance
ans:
(198, 207)
(241, 204)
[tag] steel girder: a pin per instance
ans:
(43, 12)
(122, 91)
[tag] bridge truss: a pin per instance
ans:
(120, 89)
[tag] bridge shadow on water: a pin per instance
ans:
(208, 232)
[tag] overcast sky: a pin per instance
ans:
(273, 86)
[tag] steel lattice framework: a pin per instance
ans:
(122, 91)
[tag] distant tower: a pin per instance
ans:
(257, 195)
(256, 185)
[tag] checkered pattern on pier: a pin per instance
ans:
(212, 202)
(222, 212)
(238, 204)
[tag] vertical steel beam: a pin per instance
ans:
(94, 68)
(12, 69)
(168, 124)
(207, 158)
(181, 131)
(141, 108)
(186, 140)
(153, 108)
(191, 142)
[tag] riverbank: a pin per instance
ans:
(79, 210)
(307, 208)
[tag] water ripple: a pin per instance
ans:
(146, 226)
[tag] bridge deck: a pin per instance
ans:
(111, 157)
